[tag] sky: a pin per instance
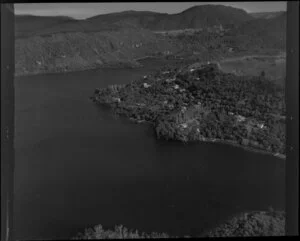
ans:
(85, 10)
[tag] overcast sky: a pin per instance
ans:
(85, 10)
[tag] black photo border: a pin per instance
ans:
(7, 118)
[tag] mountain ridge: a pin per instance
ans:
(194, 17)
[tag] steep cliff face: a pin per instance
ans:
(78, 51)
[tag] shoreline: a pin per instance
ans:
(127, 65)
(86, 68)
(218, 141)
(246, 148)
(229, 59)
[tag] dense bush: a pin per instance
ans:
(120, 232)
(268, 223)
(271, 223)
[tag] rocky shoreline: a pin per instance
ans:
(192, 104)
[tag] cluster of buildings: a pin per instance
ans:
(251, 123)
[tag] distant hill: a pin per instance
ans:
(267, 15)
(263, 26)
(269, 32)
(71, 51)
(26, 25)
(55, 44)
(194, 17)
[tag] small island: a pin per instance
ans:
(200, 102)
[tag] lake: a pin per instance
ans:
(77, 166)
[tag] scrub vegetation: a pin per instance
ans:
(250, 224)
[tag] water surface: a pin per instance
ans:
(78, 166)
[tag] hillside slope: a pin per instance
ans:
(27, 25)
(263, 33)
(78, 50)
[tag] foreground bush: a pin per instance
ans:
(270, 223)
(120, 232)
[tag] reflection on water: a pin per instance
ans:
(78, 166)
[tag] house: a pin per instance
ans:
(146, 85)
(170, 80)
(171, 106)
(184, 125)
(240, 118)
(260, 125)
(116, 99)
(166, 53)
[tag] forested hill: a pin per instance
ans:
(26, 25)
(264, 26)
(55, 44)
(269, 33)
(194, 17)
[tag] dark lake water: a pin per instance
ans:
(78, 166)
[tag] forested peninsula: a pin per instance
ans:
(200, 102)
